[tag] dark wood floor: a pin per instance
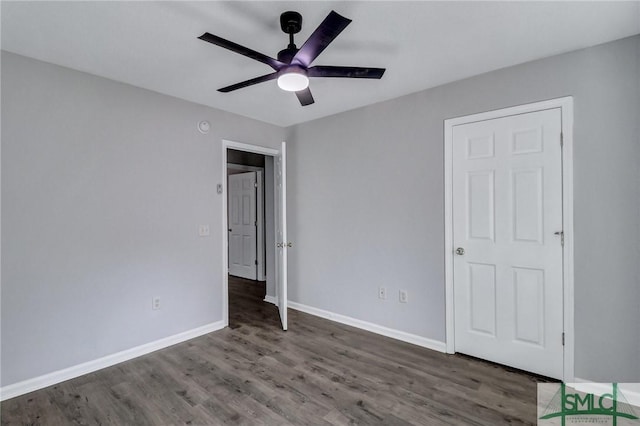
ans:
(318, 373)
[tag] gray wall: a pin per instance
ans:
(366, 202)
(103, 188)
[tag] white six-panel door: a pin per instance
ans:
(242, 225)
(507, 219)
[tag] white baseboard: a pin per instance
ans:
(374, 328)
(631, 395)
(30, 385)
(271, 299)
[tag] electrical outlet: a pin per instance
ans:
(404, 296)
(155, 303)
(203, 230)
(382, 293)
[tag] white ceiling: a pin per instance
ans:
(422, 44)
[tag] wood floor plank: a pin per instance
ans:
(317, 373)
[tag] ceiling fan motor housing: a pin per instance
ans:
(286, 55)
(291, 22)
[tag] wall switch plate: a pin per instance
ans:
(203, 230)
(404, 296)
(155, 303)
(382, 293)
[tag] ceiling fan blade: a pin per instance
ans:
(305, 97)
(251, 82)
(346, 72)
(328, 30)
(245, 51)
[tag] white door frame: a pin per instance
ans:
(256, 149)
(260, 253)
(566, 107)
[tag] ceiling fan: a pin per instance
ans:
(293, 66)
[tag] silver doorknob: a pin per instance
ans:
(460, 251)
(289, 244)
(279, 245)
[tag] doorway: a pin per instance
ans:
(246, 214)
(508, 233)
(256, 250)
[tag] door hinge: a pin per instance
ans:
(562, 339)
(561, 235)
(255, 184)
(561, 139)
(256, 261)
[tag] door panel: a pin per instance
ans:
(507, 205)
(528, 286)
(480, 204)
(527, 205)
(242, 225)
(482, 298)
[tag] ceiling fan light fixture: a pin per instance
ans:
(293, 79)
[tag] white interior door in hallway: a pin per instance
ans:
(507, 240)
(283, 244)
(243, 225)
